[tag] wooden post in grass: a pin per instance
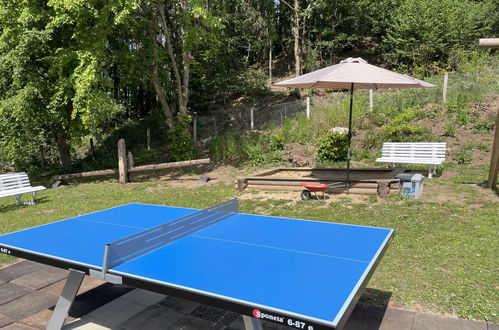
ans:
(371, 100)
(195, 127)
(308, 107)
(446, 84)
(252, 119)
(494, 159)
(148, 138)
(129, 165)
(122, 163)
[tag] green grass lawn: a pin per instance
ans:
(443, 257)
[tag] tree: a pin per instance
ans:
(55, 83)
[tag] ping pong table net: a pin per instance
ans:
(136, 245)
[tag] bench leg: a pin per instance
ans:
(18, 200)
(252, 323)
(33, 195)
(65, 300)
(432, 172)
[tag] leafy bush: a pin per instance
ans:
(484, 126)
(332, 147)
(254, 148)
(463, 156)
(406, 133)
(181, 146)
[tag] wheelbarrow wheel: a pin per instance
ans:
(305, 195)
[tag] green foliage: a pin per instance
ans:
(463, 156)
(406, 133)
(427, 32)
(250, 148)
(484, 126)
(332, 147)
(449, 130)
(179, 137)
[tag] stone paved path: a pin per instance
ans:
(29, 291)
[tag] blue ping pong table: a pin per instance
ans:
(299, 273)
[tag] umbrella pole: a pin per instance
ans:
(349, 139)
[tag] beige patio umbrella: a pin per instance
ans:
(350, 74)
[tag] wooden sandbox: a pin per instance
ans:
(381, 181)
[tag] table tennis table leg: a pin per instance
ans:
(65, 300)
(252, 323)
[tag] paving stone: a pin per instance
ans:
(96, 298)
(116, 312)
(143, 297)
(41, 278)
(237, 324)
(4, 320)
(19, 269)
(40, 319)
(193, 323)
(365, 317)
(214, 314)
(492, 326)
(18, 326)
(153, 317)
(9, 292)
(179, 305)
(27, 305)
(88, 283)
(425, 321)
(397, 319)
(84, 324)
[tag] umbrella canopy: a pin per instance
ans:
(356, 71)
(351, 74)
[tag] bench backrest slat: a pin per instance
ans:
(414, 150)
(14, 181)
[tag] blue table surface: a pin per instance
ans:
(304, 267)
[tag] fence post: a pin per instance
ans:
(494, 159)
(308, 107)
(215, 124)
(252, 125)
(371, 100)
(148, 138)
(446, 83)
(195, 127)
(122, 163)
(129, 164)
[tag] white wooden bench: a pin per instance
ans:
(16, 184)
(431, 153)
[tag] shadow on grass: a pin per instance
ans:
(14, 206)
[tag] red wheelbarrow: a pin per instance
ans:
(315, 188)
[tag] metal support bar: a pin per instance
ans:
(65, 300)
(349, 140)
(252, 323)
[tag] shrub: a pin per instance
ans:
(484, 126)
(181, 146)
(463, 156)
(332, 147)
(449, 130)
(406, 133)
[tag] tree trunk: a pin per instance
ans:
(296, 35)
(63, 147)
(158, 87)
